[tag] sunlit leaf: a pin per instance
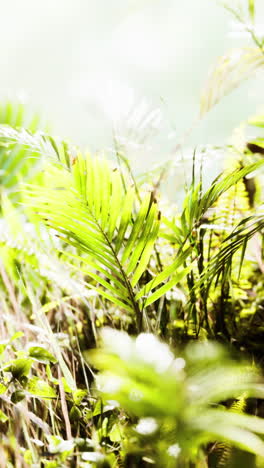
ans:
(40, 388)
(40, 354)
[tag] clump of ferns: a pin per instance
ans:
(238, 203)
(209, 228)
(233, 284)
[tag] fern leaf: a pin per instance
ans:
(92, 212)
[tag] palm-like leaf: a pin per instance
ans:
(229, 72)
(196, 204)
(16, 161)
(221, 262)
(93, 211)
(87, 202)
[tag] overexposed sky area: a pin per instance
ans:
(93, 66)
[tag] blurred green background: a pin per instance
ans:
(88, 65)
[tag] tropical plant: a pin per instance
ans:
(85, 244)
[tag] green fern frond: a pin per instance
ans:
(239, 405)
(91, 210)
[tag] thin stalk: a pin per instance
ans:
(247, 28)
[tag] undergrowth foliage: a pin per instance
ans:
(103, 286)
